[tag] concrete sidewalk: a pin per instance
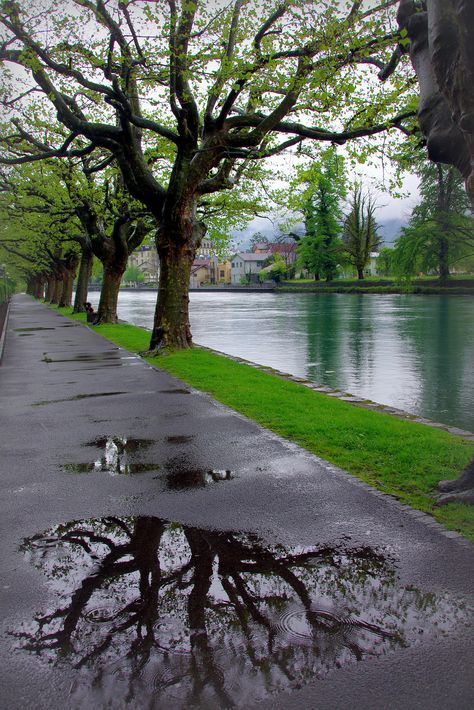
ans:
(162, 551)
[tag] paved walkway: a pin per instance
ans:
(280, 570)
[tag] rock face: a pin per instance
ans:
(441, 34)
(441, 46)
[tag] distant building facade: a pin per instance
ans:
(245, 266)
(146, 259)
(203, 272)
(224, 273)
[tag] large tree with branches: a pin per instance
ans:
(184, 96)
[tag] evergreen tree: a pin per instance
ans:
(360, 235)
(320, 249)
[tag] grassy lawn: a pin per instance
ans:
(399, 457)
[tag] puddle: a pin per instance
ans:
(123, 444)
(116, 458)
(84, 358)
(76, 397)
(179, 439)
(181, 472)
(195, 478)
(157, 614)
(28, 330)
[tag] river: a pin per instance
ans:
(411, 352)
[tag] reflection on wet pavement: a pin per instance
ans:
(120, 457)
(157, 614)
(28, 330)
(180, 439)
(76, 398)
(178, 480)
(115, 458)
(182, 472)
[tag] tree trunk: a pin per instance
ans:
(443, 261)
(39, 288)
(317, 277)
(30, 287)
(66, 299)
(63, 279)
(107, 312)
(57, 290)
(82, 286)
(460, 490)
(360, 273)
(171, 328)
(50, 285)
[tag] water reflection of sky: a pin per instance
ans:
(412, 352)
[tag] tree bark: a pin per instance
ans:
(460, 490)
(171, 328)
(82, 286)
(39, 288)
(50, 286)
(107, 311)
(57, 290)
(68, 288)
(360, 273)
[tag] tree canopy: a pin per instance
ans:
(187, 97)
(324, 182)
(440, 232)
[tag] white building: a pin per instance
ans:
(245, 266)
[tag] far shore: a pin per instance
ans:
(456, 286)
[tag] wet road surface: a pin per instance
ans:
(159, 550)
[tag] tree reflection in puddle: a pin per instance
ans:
(154, 613)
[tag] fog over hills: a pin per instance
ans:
(389, 229)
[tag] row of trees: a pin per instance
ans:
(332, 239)
(342, 230)
(183, 101)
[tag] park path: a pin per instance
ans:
(99, 450)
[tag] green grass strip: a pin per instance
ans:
(399, 457)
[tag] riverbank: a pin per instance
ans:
(402, 458)
(454, 287)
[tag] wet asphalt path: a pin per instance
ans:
(65, 392)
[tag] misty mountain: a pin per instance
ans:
(389, 230)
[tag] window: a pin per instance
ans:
(233, 265)
(221, 274)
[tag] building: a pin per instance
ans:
(245, 266)
(205, 249)
(371, 268)
(224, 272)
(146, 259)
(203, 272)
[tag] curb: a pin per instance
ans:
(4, 331)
